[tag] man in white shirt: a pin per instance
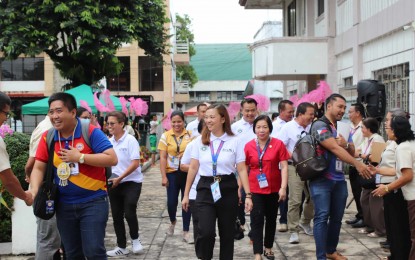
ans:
(243, 129)
(356, 115)
(192, 126)
(289, 135)
(286, 112)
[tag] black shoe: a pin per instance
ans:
(358, 224)
(352, 221)
(386, 246)
(383, 243)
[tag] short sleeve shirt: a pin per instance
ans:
(275, 153)
(290, 133)
(90, 182)
(186, 158)
(4, 156)
(168, 143)
(276, 126)
(232, 153)
(153, 126)
(388, 160)
(323, 131)
(243, 130)
(405, 158)
(43, 126)
(192, 127)
(127, 150)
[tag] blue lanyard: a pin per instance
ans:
(260, 155)
(215, 156)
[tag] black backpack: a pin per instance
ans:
(307, 163)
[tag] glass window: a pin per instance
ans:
(320, 7)
(292, 25)
(150, 73)
(23, 69)
(121, 82)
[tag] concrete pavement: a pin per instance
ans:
(153, 220)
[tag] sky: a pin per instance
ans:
(222, 21)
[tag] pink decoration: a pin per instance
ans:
(124, 102)
(233, 109)
(85, 105)
(317, 95)
(140, 107)
(107, 99)
(167, 122)
(294, 99)
(132, 101)
(99, 105)
(263, 101)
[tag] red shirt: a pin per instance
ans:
(275, 153)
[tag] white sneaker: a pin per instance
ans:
(137, 246)
(170, 230)
(118, 251)
(294, 239)
(187, 237)
(307, 229)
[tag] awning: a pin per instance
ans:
(193, 111)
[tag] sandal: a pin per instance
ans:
(269, 255)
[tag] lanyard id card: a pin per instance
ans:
(175, 161)
(339, 166)
(50, 207)
(378, 177)
(262, 180)
(214, 187)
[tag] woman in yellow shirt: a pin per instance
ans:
(171, 146)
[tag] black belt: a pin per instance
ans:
(219, 177)
(290, 163)
(153, 134)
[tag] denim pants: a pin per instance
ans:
(177, 183)
(82, 228)
(329, 199)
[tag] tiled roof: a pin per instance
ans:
(214, 62)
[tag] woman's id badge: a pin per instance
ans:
(214, 187)
(262, 180)
(339, 166)
(175, 160)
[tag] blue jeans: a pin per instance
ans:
(177, 183)
(82, 228)
(329, 199)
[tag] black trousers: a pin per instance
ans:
(195, 221)
(265, 206)
(224, 210)
(397, 224)
(356, 190)
(123, 201)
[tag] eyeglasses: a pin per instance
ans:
(111, 123)
(8, 114)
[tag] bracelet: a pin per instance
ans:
(248, 194)
(347, 146)
(387, 188)
(283, 188)
(248, 197)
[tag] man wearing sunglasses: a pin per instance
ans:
(7, 177)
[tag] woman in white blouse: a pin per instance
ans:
(214, 155)
(372, 207)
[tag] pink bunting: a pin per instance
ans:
(132, 101)
(124, 102)
(85, 105)
(317, 95)
(167, 122)
(100, 107)
(263, 101)
(107, 99)
(233, 109)
(140, 107)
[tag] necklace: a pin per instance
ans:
(63, 170)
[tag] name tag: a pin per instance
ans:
(378, 177)
(50, 207)
(175, 161)
(262, 180)
(214, 187)
(339, 166)
(74, 167)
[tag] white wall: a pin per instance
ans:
(344, 67)
(23, 229)
(344, 16)
(370, 7)
(25, 86)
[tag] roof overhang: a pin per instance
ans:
(261, 4)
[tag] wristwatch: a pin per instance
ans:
(347, 146)
(82, 158)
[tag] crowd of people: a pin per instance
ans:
(222, 171)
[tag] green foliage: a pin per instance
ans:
(183, 33)
(17, 146)
(82, 37)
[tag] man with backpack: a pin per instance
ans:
(289, 135)
(329, 191)
(82, 209)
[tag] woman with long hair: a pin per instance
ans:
(171, 146)
(214, 156)
(267, 182)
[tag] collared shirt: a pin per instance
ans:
(290, 133)
(186, 158)
(232, 153)
(321, 131)
(153, 126)
(43, 126)
(90, 182)
(192, 126)
(127, 150)
(276, 126)
(357, 135)
(167, 143)
(243, 130)
(275, 153)
(366, 146)
(4, 156)
(405, 159)
(388, 160)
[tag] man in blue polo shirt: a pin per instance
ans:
(329, 192)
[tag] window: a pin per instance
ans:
(292, 92)
(202, 96)
(320, 7)
(23, 69)
(348, 82)
(121, 82)
(150, 74)
(292, 25)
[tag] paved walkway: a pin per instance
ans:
(153, 220)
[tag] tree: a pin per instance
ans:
(183, 33)
(82, 37)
